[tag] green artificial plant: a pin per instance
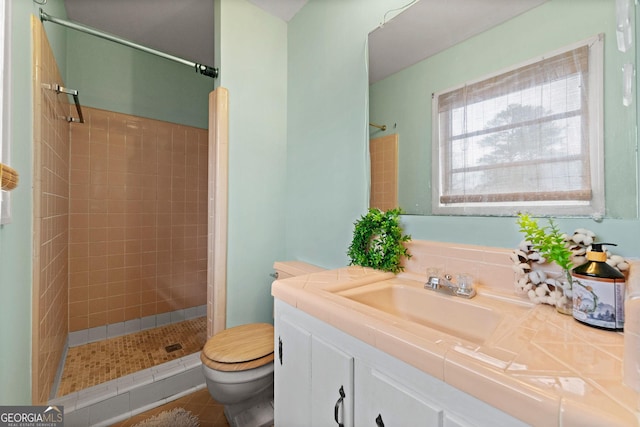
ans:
(549, 241)
(552, 245)
(378, 241)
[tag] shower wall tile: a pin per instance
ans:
(138, 202)
(51, 190)
(384, 172)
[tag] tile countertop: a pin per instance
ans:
(542, 367)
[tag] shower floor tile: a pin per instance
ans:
(94, 363)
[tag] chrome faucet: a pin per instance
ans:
(443, 283)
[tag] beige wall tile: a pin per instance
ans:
(147, 189)
(383, 153)
(51, 225)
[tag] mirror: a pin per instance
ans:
(433, 46)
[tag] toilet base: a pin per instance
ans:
(255, 412)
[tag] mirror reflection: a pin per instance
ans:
(432, 47)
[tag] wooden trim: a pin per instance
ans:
(218, 208)
(517, 197)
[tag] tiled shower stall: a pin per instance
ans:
(120, 219)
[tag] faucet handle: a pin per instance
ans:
(464, 280)
(465, 285)
(433, 277)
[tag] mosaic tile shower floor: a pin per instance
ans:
(94, 363)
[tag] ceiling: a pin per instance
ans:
(431, 26)
(183, 28)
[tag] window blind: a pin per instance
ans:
(522, 136)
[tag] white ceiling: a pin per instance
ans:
(183, 28)
(431, 26)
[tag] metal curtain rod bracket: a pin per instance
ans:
(381, 127)
(201, 68)
(59, 89)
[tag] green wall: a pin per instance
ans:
(118, 78)
(327, 126)
(253, 55)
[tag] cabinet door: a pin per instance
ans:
(382, 401)
(292, 370)
(332, 385)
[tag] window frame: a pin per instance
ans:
(594, 207)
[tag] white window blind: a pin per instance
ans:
(528, 138)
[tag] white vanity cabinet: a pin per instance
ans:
(313, 378)
(315, 360)
(292, 373)
(383, 401)
(332, 385)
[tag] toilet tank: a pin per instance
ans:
(286, 269)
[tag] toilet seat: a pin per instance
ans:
(239, 348)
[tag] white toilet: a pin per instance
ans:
(238, 364)
(238, 369)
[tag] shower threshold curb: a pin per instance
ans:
(117, 400)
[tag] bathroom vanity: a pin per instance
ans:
(325, 377)
(346, 354)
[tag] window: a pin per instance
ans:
(530, 138)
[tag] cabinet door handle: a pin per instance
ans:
(337, 407)
(280, 349)
(379, 422)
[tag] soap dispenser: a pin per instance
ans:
(598, 291)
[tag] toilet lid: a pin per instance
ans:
(240, 343)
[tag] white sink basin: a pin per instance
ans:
(473, 319)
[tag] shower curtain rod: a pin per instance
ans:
(381, 127)
(201, 68)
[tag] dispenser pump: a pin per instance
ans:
(596, 253)
(596, 265)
